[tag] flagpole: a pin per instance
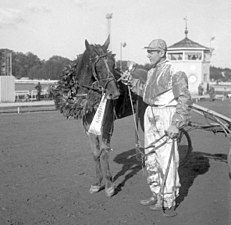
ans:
(210, 44)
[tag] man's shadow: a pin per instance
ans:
(197, 164)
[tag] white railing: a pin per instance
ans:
(26, 95)
(22, 95)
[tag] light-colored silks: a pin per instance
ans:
(156, 121)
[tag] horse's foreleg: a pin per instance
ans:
(107, 130)
(95, 147)
(109, 189)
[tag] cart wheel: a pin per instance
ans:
(184, 146)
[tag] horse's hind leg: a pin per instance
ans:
(95, 147)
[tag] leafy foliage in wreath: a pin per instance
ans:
(71, 99)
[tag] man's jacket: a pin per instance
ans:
(165, 86)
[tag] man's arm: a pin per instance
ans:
(136, 79)
(183, 98)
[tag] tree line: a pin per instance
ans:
(220, 74)
(31, 66)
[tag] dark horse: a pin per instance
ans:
(78, 94)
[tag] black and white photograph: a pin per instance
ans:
(115, 112)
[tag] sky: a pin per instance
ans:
(60, 27)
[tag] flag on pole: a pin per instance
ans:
(223, 74)
(212, 38)
(108, 15)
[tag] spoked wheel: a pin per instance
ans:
(184, 146)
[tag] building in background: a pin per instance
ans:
(7, 80)
(5, 62)
(192, 58)
(25, 89)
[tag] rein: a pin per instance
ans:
(137, 145)
(135, 122)
(135, 118)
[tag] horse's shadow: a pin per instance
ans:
(197, 164)
(131, 166)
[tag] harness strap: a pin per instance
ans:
(90, 87)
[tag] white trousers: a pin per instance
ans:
(156, 121)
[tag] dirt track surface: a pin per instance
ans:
(46, 169)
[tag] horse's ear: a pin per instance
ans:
(87, 45)
(107, 42)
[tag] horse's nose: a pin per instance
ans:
(114, 95)
(117, 94)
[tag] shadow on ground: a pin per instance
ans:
(198, 163)
(132, 164)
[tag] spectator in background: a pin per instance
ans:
(225, 94)
(200, 90)
(212, 93)
(38, 87)
(207, 88)
(50, 93)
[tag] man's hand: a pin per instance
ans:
(130, 65)
(172, 131)
(125, 77)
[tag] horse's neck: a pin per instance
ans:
(83, 75)
(85, 78)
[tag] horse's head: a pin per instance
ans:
(102, 65)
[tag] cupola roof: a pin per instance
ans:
(186, 43)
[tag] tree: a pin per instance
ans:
(53, 67)
(19, 64)
(29, 65)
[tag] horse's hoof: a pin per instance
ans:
(94, 189)
(110, 191)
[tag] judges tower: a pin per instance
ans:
(192, 58)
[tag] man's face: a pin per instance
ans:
(154, 56)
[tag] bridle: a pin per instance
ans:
(99, 85)
(103, 82)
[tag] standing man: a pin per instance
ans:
(38, 87)
(212, 93)
(168, 98)
(200, 89)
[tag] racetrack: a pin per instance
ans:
(46, 169)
